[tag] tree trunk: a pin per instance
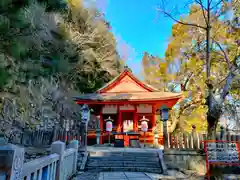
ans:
(212, 126)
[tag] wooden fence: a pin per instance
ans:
(175, 141)
(194, 140)
(43, 137)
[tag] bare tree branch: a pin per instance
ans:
(224, 53)
(203, 11)
(221, 1)
(180, 22)
(229, 80)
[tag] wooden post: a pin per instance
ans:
(165, 134)
(109, 139)
(221, 133)
(101, 127)
(144, 139)
(194, 137)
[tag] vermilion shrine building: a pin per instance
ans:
(126, 100)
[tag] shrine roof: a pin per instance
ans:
(126, 87)
(135, 96)
(126, 82)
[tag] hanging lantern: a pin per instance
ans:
(109, 124)
(144, 124)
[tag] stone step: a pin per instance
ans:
(123, 164)
(124, 169)
(126, 154)
(117, 158)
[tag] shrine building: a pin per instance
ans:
(126, 100)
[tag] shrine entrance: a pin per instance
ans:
(127, 119)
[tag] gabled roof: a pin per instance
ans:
(136, 96)
(126, 82)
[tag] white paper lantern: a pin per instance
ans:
(109, 126)
(144, 126)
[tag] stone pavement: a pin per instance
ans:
(141, 176)
(123, 176)
(172, 174)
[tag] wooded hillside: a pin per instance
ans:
(49, 53)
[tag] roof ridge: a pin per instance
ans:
(127, 71)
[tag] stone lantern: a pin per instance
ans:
(85, 116)
(164, 113)
(98, 130)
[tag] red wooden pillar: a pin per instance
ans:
(101, 127)
(153, 116)
(153, 121)
(119, 123)
(135, 120)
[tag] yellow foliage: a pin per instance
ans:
(75, 3)
(187, 52)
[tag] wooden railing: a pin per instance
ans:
(61, 164)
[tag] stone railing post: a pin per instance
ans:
(74, 144)
(12, 159)
(58, 147)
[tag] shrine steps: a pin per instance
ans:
(124, 161)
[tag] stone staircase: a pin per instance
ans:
(124, 162)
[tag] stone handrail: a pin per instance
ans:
(61, 164)
(70, 162)
(40, 167)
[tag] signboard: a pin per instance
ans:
(222, 152)
(126, 107)
(109, 109)
(144, 126)
(144, 108)
(109, 126)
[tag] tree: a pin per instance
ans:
(165, 73)
(205, 20)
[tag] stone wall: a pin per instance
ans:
(185, 159)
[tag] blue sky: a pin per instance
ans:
(138, 28)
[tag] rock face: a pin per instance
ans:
(124, 161)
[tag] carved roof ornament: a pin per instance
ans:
(126, 68)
